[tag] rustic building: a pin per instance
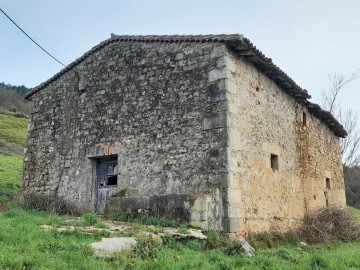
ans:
(205, 128)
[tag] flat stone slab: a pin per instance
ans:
(107, 247)
(191, 233)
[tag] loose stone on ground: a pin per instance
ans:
(107, 247)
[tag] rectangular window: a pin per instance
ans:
(328, 183)
(274, 161)
(304, 119)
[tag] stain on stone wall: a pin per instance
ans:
(266, 126)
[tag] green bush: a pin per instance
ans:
(183, 229)
(193, 244)
(214, 240)
(284, 254)
(272, 239)
(234, 248)
(89, 218)
(147, 247)
(170, 242)
(317, 263)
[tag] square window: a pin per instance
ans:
(274, 162)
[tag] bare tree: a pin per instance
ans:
(350, 146)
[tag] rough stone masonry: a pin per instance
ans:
(203, 128)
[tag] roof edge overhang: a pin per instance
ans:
(242, 47)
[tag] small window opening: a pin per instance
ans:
(111, 180)
(328, 183)
(274, 161)
(111, 176)
(304, 119)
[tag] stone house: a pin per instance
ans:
(205, 128)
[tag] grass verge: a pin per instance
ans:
(10, 173)
(23, 245)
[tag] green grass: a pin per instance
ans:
(10, 173)
(355, 212)
(23, 245)
(13, 129)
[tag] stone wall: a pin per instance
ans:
(158, 106)
(264, 121)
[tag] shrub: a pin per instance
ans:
(183, 229)
(329, 225)
(234, 248)
(48, 203)
(214, 240)
(284, 254)
(89, 218)
(147, 247)
(317, 263)
(193, 244)
(271, 239)
(170, 242)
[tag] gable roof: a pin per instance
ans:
(242, 47)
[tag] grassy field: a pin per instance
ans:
(355, 212)
(23, 245)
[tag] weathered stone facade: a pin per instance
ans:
(195, 129)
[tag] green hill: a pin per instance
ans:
(12, 140)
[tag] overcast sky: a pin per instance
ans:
(309, 39)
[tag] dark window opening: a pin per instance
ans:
(328, 183)
(111, 180)
(274, 161)
(304, 119)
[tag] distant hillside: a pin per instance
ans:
(352, 184)
(14, 111)
(12, 134)
(12, 99)
(22, 90)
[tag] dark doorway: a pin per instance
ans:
(106, 179)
